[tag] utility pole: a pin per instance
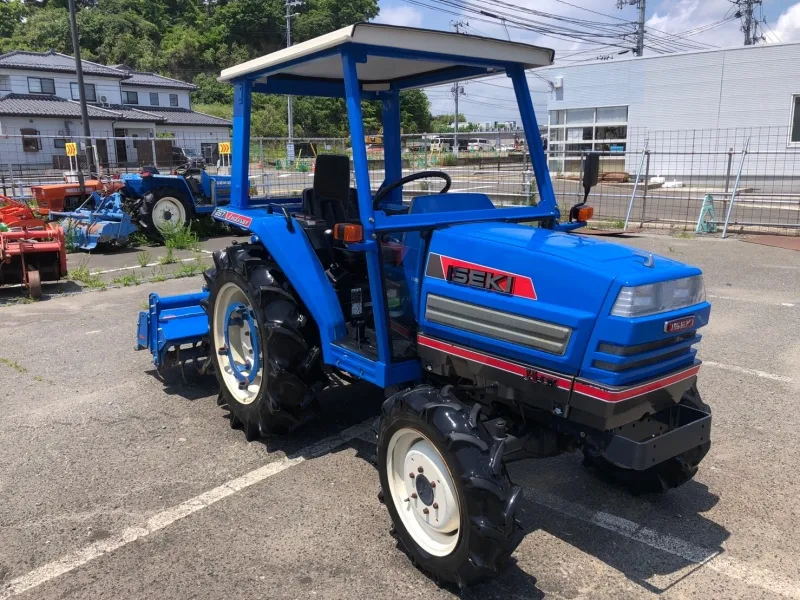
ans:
(640, 24)
(457, 90)
(76, 48)
(750, 24)
(290, 144)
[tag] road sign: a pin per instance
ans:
(224, 147)
(72, 149)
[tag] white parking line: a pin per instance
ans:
(711, 559)
(80, 557)
(744, 371)
(753, 300)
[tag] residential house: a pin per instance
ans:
(40, 112)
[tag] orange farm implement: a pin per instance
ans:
(31, 250)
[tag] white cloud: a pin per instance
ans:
(400, 15)
(788, 26)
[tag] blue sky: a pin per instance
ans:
(493, 100)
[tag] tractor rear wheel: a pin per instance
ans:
(443, 481)
(664, 476)
(264, 351)
(163, 210)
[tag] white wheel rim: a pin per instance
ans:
(436, 531)
(168, 213)
(240, 345)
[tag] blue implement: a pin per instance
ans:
(100, 221)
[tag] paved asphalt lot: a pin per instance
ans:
(114, 484)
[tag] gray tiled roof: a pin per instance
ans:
(133, 114)
(37, 105)
(184, 116)
(53, 61)
(153, 80)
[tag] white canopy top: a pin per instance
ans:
(382, 70)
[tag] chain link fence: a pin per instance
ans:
(751, 176)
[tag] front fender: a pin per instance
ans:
(294, 254)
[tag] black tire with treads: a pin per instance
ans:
(288, 342)
(664, 476)
(488, 530)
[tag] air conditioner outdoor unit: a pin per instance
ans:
(558, 83)
(104, 100)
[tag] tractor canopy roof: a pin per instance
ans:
(388, 58)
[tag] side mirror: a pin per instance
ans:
(591, 171)
(591, 176)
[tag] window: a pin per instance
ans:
(88, 89)
(557, 117)
(130, 97)
(575, 131)
(41, 85)
(5, 83)
(580, 116)
(794, 133)
(173, 99)
(60, 142)
(31, 142)
(612, 114)
(153, 98)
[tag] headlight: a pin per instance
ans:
(655, 298)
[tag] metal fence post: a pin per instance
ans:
(646, 186)
(635, 187)
(153, 146)
(735, 189)
(728, 174)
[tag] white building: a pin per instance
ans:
(722, 96)
(40, 112)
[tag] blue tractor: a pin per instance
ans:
(163, 202)
(497, 333)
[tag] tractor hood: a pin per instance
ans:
(559, 279)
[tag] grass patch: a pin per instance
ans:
(168, 258)
(617, 224)
(449, 159)
(126, 280)
(207, 227)
(189, 269)
(684, 235)
(82, 275)
(158, 275)
(144, 258)
(13, 365)
(181, 238)
(137, 238)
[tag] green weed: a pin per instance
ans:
(158, 275)
(181, 238)
(684, 235)
(137, 238)
(90, 279)
(13, 365)
(449, 160)
(144, 258)
(126, 280)
(188, 269)
(168, 258)
(617, 224)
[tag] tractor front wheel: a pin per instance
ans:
(263, 350)
(445, 486)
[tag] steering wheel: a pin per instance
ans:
(383, 191)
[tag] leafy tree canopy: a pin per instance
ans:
(193, 40)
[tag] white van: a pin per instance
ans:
(480, 145)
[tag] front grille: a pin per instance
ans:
(609, 348)
(638, 364)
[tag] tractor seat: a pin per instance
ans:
(329, 199)
(194, 180)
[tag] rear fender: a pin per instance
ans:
(294, 254)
